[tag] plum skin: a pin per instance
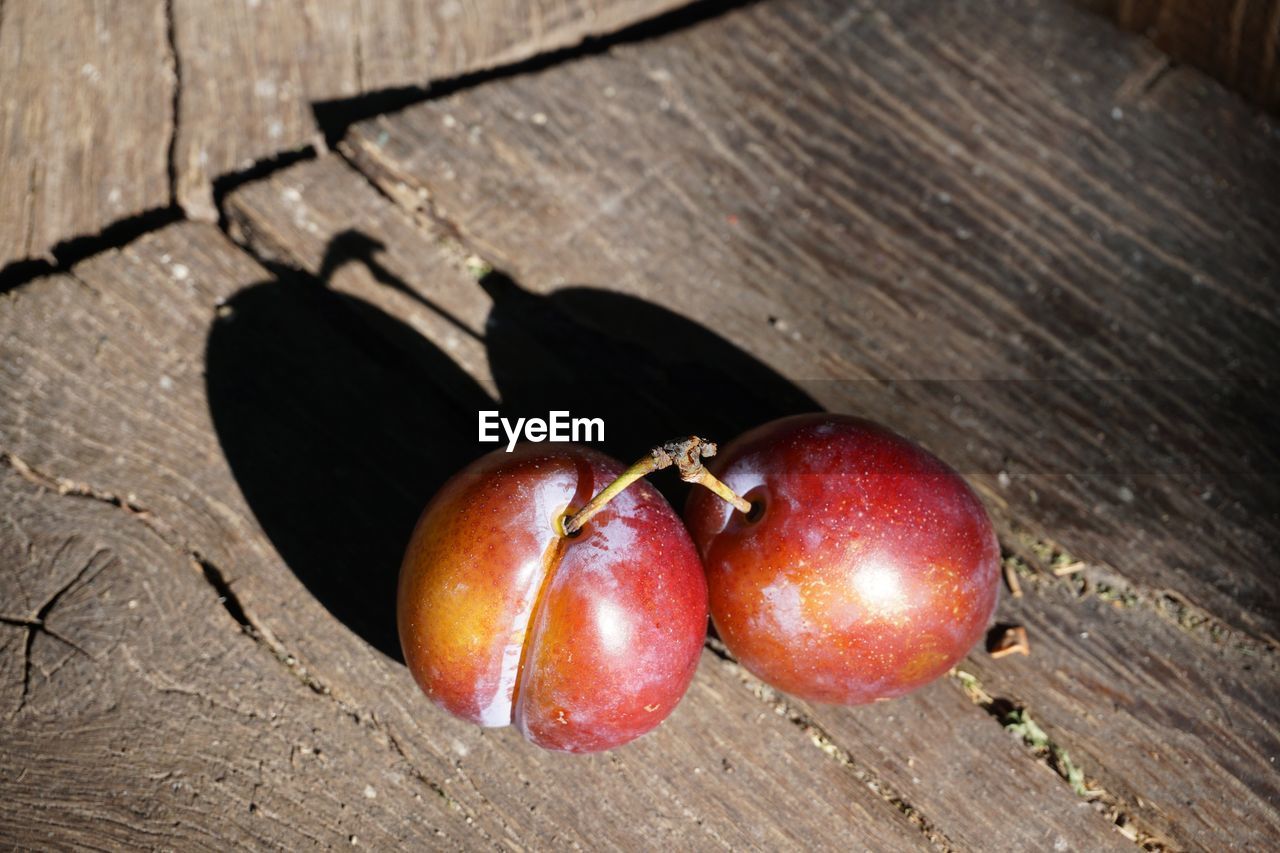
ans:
(870, 570)
(582, 643)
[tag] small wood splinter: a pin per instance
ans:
(1012, 641)
(1068, 569)
(1011, 579)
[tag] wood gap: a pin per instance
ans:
(1014, 717)
(72, 251)
(226, 596)
(1033, 559)
(827, 744)
(175, 101)
(255, 171)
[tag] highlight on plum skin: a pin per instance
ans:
(583, 643)
(868, 567)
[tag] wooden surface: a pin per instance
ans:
(112, 110)
(86, 95)
(260, 67)
(1238, 42)
(985, 224)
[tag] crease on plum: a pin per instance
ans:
(546, 505)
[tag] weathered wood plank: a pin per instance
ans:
(988, 235)
(1238, 42)
(85, 119)
(136, 712)
(103, 384)
(259, 67)
(948, 760)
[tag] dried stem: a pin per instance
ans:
(686, 454)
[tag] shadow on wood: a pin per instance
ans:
(340, 422)
(648, 372)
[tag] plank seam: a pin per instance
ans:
(258, 170)
(334, 117)
(72, 251)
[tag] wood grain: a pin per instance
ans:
(257, 68)
(85, 119)
(104, 391)
(995, 239)
(942, 754)
(1238, 42)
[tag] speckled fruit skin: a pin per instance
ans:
(871, 571)
(582, 643)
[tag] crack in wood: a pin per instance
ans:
(175, 103)
(211, 573)
(1141, 84)
(1160, 72)
(72, 488)
(334, 117)
(29, 238)
(226, 597)
(38, 623)
(1015, 718)
(258, 170)
(823, 740)
(67, 253)
(421, 206)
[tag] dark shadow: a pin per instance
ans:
(650, 373)
(996, 634)
(339, 423)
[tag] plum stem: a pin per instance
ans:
(686, 454)
(574, 523)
